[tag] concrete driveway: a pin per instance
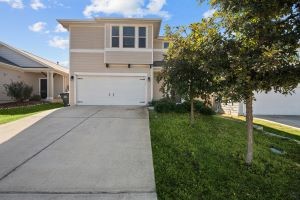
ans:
(80, 152)
(290, 120)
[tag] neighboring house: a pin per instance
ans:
(268, 104)
(115, 61)
(48, 79)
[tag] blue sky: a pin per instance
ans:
(31, 24)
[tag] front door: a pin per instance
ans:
(43, 88)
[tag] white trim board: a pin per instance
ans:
(109, 74)
(129, 49)
(87, 50)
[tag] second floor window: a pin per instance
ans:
(142, 37)
(115, 39)
(166, 45)
(128, 37)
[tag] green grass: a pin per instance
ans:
(12, 114)
(274, 127)
(206, 161)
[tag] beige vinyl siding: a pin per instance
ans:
(128, 57)
(58, 85)
(158, 44)
(107, 36)
(157, 94)
(17, 58)
(158, 55)
(86, 62)
(87, 38)
(10, 75)
(150, 37)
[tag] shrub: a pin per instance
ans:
(181, 108)
(164, 106)
(187, 105)
(205, 110)
(152, 103)
(18, 90)
(35, 97)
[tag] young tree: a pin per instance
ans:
(190, 64)
(263, 37)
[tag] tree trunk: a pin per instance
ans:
(249, 120)
(192, 119)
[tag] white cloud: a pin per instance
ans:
(128, 8)
(60, 29)
(18, 4)
(37, 4)
(209, 13)
(37, 27)
(64, 63)
(59, 42)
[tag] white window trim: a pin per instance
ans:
(136, 45)
(115, 36)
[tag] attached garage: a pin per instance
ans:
(111, 89)
(277, 104)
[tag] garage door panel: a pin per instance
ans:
(111, 90)
(277, 104)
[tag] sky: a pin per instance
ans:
(31, 24)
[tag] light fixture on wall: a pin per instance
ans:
(149, 79)
(72, 78)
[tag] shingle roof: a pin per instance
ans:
(38, 59)
(3, 60)
(46, 62)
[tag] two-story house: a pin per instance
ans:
(114, 61)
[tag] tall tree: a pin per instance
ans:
(190, 64)
(262, 41)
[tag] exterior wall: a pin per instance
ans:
(158, 55)
(157, 94)
(231, 108)
(158, 44)
(9, 75)
(87, 38)
(277, 104)
(90, 50)
(57, 86)
(128, 57)
(17, 58)
(94, 63)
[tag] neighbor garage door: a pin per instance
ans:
(111, 90)
(277, 104)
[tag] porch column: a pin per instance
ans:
(50, 85)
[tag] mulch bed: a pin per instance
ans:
(20, 104)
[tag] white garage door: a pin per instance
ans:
(277, 104)
(111, 90)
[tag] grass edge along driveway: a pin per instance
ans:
(12, 114)
(206, 161)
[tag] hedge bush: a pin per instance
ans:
(18, 90)
(164, 106)
(167, 105)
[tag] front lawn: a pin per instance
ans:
(207, 161)
(12, 114)
(273, 127)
